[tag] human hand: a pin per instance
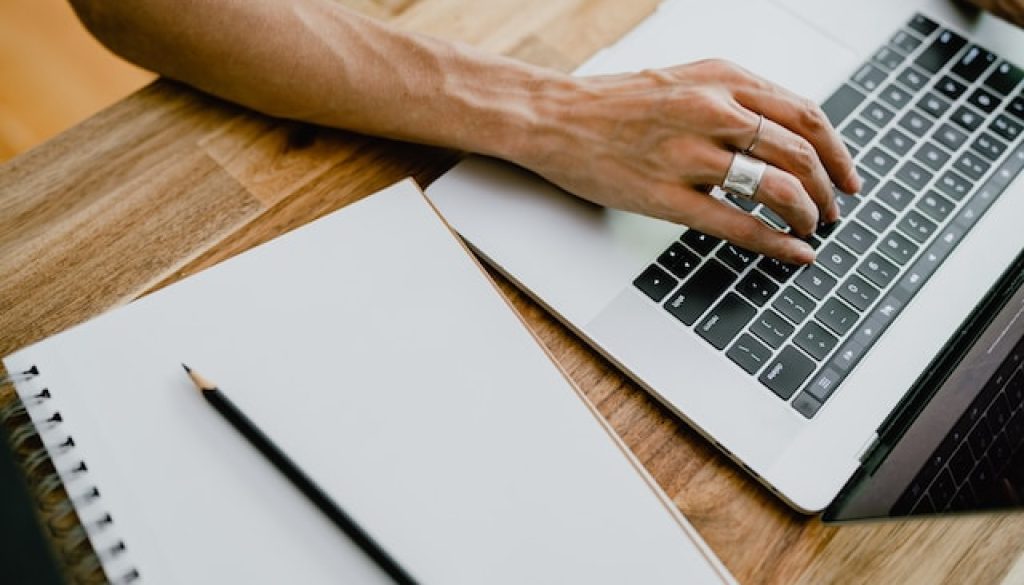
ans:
(654, 142)
(1011, 10)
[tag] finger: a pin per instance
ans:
(805, 118)
(794, 154)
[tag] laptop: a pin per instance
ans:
(884, 379)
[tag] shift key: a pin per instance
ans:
(787, 372)
(700, 292)
(726, 320)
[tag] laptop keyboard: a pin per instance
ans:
(934, 124)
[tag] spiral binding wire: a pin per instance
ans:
(84, 546)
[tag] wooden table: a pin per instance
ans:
(170, 181)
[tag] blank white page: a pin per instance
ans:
(374, 351)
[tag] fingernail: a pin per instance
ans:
(854, 182)
(833, 210)
(803, 253)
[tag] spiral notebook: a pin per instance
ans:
(378, 355)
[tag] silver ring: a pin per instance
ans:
(757, 135)
(744, 175)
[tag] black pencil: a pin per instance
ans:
(237, 418)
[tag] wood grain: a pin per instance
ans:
(97, 216)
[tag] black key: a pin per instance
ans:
(777, 269)
(811, 240)
(895, 195)
(973, 63)
(1006, 127)
(786, 372)
(933, 105)
(795, 305)
(913, 175)
(879, 161)
(1016, 107)
(922, 25)
(878, 270)
(875, 216)
(898, 248)
(895, 96)
(744, 204)
(824, 384)
(972, 165)
(846, 203)
(950, 88)
(749, 353)
(858, 132)
(940, 51)
(935, 206)
(950, 137)
(815, 281)
(725, 321)
(757, 288)
(678, 260)
(837, 316)
(962, 462)
(913, 79)
(836, 260)
(694, 297)
(905, 42)
(1004, 78)
(931, 156)
(942, 490)
(736, 257)
(984, 100)
(869, 77)
(771, 217)
(888, 58)
(868, 181)
(853, 150)
(856, 237)
(813, 339)
(917, 226)
(655, 283)
(877, 114)
(954, 185)
(989, 146)
(897, 141)
(840, 104)
(825, 229)
(966, 119)
(806, 405)
(856, 291)
(916, 123)
(700, 242)
(771, 328)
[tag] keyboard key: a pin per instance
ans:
(897, 142)
(856, 237)
(913, 175)
(700, 242)
(940, 51)
(878, 270)
(966, 119)
(973, 63)
(856, 291)
(815, 281)
(697, 294)
(905, 42)
(912, 79)
(793, 304)
(950, 137)
(747, 205)
(877, 114)
(950, 88)
(917, 226)
(771, 328)
(933, 105)
(757, 288)
(749, 353)
(972, 165)
(825, 229)
(916, 123)
(953, 185)
(837, 316)
(895, 96)
(858, 132)
(813, 339)
(786, 372)
(879, 161)
(777, 269)
(888, 58)
(841, 103)
(869, 77)
(1016, 107)
(868, 181)
(771, 217)
(875, 216)
(736, 257)
(848, 356)
(1004, 78)
(655, 283)
(895, 195)
(847, 203)
(984, 101)
(678, 260)
(922, 25)
(836, 260)
(1006, 127)
(989, 146)
(935, 206)
(898, 248)
(806, 405)
(725, 321)
(931, 156)
(824, 384)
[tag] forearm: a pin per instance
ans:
(315, 61)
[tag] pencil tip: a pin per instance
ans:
(187, 369)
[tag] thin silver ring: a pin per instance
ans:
(744, 175)
(757, 135)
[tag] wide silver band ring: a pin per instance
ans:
(757, 135)
(744, 175)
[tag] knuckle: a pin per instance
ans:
(805, 158)
(811, 116)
